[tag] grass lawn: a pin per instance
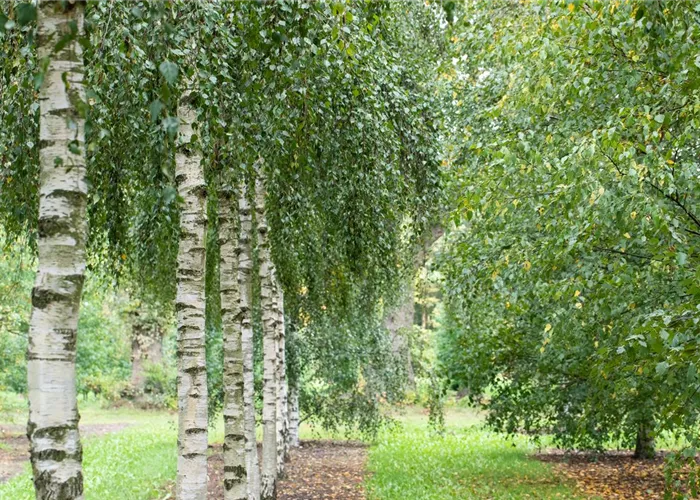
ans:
(466, 462)
(408, 463)
(129, 464)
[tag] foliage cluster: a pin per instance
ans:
(570, 274)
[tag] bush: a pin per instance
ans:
(160, 386)
(107, 387)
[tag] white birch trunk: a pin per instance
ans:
(192, 374)
(293, 438)
(269, 319)
(235, 480)
(55, 449)
(245, 269)
(281, 379)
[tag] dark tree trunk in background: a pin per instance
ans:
(402, 317)
(397, 322)
(645, 447)
(146, 347)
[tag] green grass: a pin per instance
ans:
(129, 464)
(411, 462)
(467, 462)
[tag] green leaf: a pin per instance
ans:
(681, 258)
(170, 125)
(169, 194)
(38, 80)
(155, 108)
(26, 13)
(169, 70)
(662, 368)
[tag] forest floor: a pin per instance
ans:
(613, 475)
(317, 470)
(133, 452)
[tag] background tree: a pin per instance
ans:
(568, 270)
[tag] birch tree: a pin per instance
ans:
(281, 382)
(190, 306)
(245, 269)
(55, 448)
(293, 433)
(269, 319)
(235, 479)
(585, 286)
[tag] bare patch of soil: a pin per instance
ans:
(317, 470)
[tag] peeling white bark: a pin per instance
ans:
(192, 374)
(269, 319)
(293, 437)
(55, 449)
(245, 270)
(281, 379)
(235, 478)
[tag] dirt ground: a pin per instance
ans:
(317, 470)
(612, 475)
(14, 446)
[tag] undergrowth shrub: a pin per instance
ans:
(160, 386)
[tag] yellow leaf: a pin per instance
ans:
(627, 235)
(527, 265)
(547, 327)
(633, 215)
(579, 305)
(670, 162)
(571, 7)
(577, 293)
